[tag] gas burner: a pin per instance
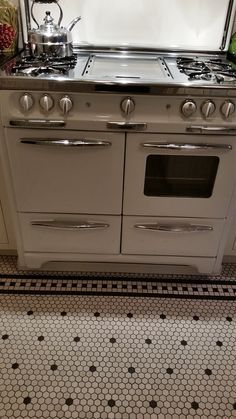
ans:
(211, 70)
(43, 65)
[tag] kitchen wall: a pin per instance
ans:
(145, 22)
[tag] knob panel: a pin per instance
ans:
(26, 102)
(127, 106)
(46, 102)
(65, 104)
(188, 108)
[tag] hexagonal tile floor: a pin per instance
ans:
(114, 357)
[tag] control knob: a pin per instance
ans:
(208, 108)
(188, 108)
(227, 108)
(65, 104)
(26, 102)
(46, 102)
(127, 105)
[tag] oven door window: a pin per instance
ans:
(180, 176)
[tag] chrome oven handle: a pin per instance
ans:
(186, 147)
(70, 225)
(37, 123)
(139, 126)
(201, 129)
(60, 142)
(175, 228)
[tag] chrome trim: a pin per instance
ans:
(175, 228)
(37, 123)
(187, 147)
(201, 129)
(60, 142)
(70, 225)
(127, 125)
(227, 23)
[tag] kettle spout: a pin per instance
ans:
(73, 23)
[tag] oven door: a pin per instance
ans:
(179, 175)
(66, 171)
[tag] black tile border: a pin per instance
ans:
(121, 294)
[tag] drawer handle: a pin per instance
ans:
(37, 123)
(200, 129)
(70, 225)
(174, 228)
(127, 125)
(187, 147)
(65, 143)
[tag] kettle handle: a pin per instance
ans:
(46, 2)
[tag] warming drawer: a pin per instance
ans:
(70, 233)
(171, 236)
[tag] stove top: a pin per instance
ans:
(126, 68)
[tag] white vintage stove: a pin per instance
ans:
(120, 160)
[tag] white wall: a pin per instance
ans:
(150, 23)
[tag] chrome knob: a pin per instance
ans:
(127, 105)
(65, 104)
(227, 108)
(188, 108)
(26, 102)
(208, 108)
(46, 102)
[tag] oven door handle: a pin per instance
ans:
(175, 228)
(201, 129)
(70, 225)
(60, 142)
(37, 123)
(186, 146)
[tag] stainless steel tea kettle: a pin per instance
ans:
(50, 38)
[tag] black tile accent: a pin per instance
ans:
(69, 401)
(153, 404)
(183, 342)
(92, 368)
(27, 400)
(63, 313)
(229, 319)
(113, 340)
(30, 312)
(234, 406)
(195, 405)
(97, 314)
(131, 370)
(148, 341)
(169, 371)
(76, 339)
(111, 402)
(196, 318)
(208, 372)
(130, 315)
(15, 366)
(163, 316)
(5, 337)
(41, 338)
(54, 367)
(219, 343)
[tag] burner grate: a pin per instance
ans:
(211, 70)
(36, 66)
